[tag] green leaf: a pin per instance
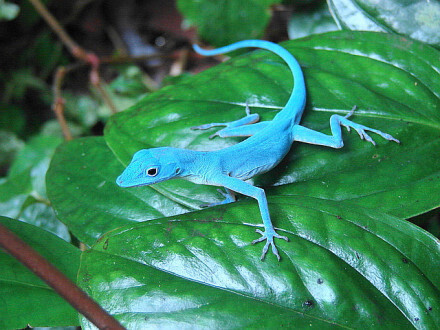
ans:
(16, 201)
(8, 11)
(311, 20)
(120, 101)
(82, 108)
(418, 19)
(23, 192)
(344, 266)
(394, 83)
(34, 159)
(45, 53)
(9, 146)
(13, 195)
(130, 82)
(11, 118)
(226, 21)
(20, 81)
(25, 299)
(43, 216)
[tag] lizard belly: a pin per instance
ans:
(200, 180)
(257, 155)
(244, 175)
(254, 164)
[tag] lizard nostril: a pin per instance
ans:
(119, 181)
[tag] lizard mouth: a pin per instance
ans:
(120, 182)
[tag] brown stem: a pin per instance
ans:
(58, 108)
(179, 65)
(73, 47)
(118, 59)
(58, 104)
(96, 81)
(57, 280)
(58, 29)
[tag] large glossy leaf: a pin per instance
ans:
(418, 19)
(24, 298)
(394, 82)
(227, 16)
(344, 266)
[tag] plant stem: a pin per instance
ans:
(73, 47)
(58, 104)
(57, 280)
(96, 81)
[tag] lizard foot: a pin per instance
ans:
(361, 130)
(269, 236)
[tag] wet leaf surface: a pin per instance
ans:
(42, 305)
(344, 266)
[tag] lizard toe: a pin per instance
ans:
(269, 238)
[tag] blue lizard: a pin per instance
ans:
(268, 143)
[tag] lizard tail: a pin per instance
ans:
(295, 105)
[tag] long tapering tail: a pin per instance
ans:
(295, 105)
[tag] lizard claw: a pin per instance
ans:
(247, 109)
(364, 136)
(269, 236)
(201, 127)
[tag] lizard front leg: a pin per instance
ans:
(236, 127)
(249, 190)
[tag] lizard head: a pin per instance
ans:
(150, 166)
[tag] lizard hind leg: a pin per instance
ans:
(334, 140)
(230, 126)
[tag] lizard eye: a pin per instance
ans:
(152, 171)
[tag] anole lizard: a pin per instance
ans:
(268, 143)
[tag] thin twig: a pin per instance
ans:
(58, 104)
(57, 280)
(58, 108)
(96, 81)
(73, 47)
(119, 59)
(179, 65)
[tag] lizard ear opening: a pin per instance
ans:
(178, 170)
(152, 171)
